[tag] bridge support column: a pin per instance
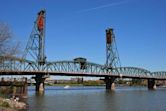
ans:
(151, 84)
(109, 81)
(39, 83)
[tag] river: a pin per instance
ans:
(97, 99)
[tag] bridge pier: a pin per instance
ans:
(109, 81)
(151, 84)
(40, 83)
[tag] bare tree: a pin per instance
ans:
(7, 46)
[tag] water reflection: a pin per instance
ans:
(97, 99)
(40, 93)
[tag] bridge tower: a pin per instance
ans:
(35, 47)
(35, 50)
(112, 58)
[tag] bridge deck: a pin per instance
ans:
(76, 74)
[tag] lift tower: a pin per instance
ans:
(41, 30)
(35, 47)
(112, 57)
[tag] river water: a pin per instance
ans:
(97, 99)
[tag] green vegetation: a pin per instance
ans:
(93, 83)
(138, 82)
(121, 81)
(4, 104)
(5, 91)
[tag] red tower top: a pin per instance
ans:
(40, 20)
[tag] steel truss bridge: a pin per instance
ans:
(37, 65)
(16, 66)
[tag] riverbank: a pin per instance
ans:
(12, 105)
(76, 83)
(133, 82)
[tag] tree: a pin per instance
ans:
(7, 46)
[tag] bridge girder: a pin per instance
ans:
(159, 74)
(14, 64)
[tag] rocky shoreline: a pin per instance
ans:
(12, 105)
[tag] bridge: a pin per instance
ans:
(33, 62)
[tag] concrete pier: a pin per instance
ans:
(39, 83)
(151, 84)
(109, 81)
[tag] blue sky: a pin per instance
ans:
(76, 28)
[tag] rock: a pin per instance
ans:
(6, 109)
(20, 105)
(14, 105)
